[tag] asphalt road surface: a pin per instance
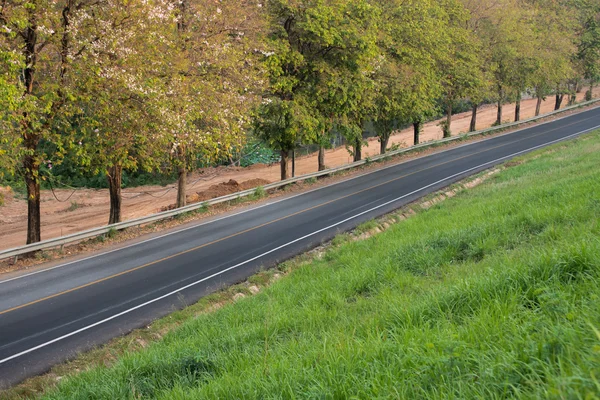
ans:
(54, 313)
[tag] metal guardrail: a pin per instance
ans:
(90, 233)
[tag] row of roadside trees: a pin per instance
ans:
(160, 84)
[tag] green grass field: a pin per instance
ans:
(494, 293)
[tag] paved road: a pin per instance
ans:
(51, 315)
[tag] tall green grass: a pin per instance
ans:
(494, 293)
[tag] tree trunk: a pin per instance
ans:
(181, 186)
(499, 113)
(284, 164)
(358, 150)
(448, 127)
(518, 109)
(294, 163)
(114, 175)
(321, 158)
(558, 102)
(32, 182)
(589, 95)
(383, 143)
(416, 132)
(31, 163)
(473, 125)
(538, 106)
(573, 95)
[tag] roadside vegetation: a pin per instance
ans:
(114, 93)
(492, 293)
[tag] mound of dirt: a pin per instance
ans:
(225, 188)
(221, 189)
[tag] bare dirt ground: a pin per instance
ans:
(88, 208)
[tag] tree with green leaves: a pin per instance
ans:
(317, 58)
(588, 45)
(37, 52)
(281, 125)
(499, 26)
(356, 111)
(553, 49)
(120, 89)
(523, 68)
(479, 94)
(460, 65)
(504, 39)
(479, 23)
(212, 81)
(406, 80)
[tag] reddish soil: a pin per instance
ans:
(88, 208)
(225, 188)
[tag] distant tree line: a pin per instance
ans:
(161, 85)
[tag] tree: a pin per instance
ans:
(588, 46)
(479, 94)
(500, 26)
(552, 54)
(479, 13)
(405, 94)
(319, 52)
(520, 80)
(281, 124)
(460, 64)
(120, 88)
(406, 79)
(212, 81)
(37, 53)
(356, 109)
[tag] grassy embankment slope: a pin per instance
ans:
(493, 293)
